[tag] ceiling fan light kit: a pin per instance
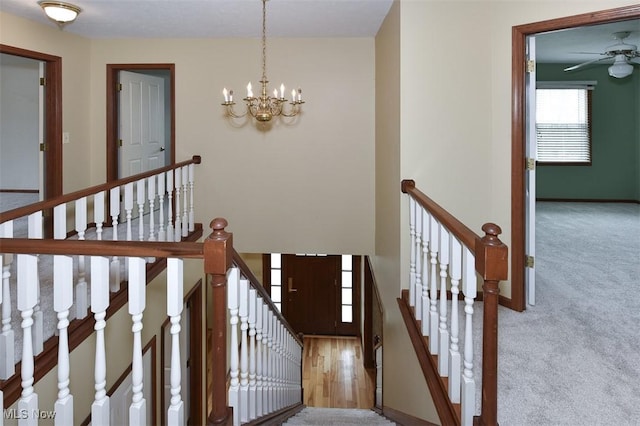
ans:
(620, 68)
(620, 52)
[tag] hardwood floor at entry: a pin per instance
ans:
(333, 373)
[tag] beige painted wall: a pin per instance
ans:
(452, 136)
(305, 186)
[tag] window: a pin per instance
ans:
(563, 124)
(346, 314)
(276, 280)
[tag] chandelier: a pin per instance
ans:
(264, 107)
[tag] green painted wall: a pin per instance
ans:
(615, 170)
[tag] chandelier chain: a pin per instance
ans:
(264, 40)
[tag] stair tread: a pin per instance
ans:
(337, 416)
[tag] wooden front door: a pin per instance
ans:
(310, 290)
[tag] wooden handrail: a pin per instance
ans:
(266, 298)
(457, 228)
(188, 250)
(47, 204)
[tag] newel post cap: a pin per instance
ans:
(492, 254)
(218, 248)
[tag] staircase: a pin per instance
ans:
(337, 416)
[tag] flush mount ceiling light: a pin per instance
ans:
(264, 107)
(60, 12)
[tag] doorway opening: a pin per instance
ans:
(49, 120)
(155, 92)
(519, 129)
(318, 294)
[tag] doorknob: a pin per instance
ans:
(290, 286)
(161, 148)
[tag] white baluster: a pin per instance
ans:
(433, 278)
(185, 207)
(192, 214)
(443, 346)
(27, 299)
(244, 351)
(128, 208)
(265, 360)
(62, 302)
(412, 250)
(162, 234)
(140, 200)
(273, 362)
(137, 303)
(98, 213)
(455, 271)
(233, 286)
(426, 280)
(6, 334)
(170, 230)
(175, 304)
(418, 259)
(259, 308)
(81, 285)
(7, 345)
(252, 353)
(35, 232)
(151, 187)
(114, 207)
(178, 222)
(469, 289)
(99, 305)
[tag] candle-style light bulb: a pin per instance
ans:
(249, 92)
(293, 96)
(275, 93)
(225, 94)
(230, 95)
(299, 94)
(282, 91)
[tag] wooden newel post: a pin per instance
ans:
(492, 265)
(218, 258)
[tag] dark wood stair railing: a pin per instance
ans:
(491, 264)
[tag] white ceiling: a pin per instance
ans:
(215, 18)
(285, 18)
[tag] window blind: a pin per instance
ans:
(563, 125)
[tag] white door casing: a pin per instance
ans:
(141, 123)
(530, 179)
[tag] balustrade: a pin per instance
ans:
(446, 258)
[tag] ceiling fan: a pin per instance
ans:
(621, 53)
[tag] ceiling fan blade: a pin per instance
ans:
(575, 67)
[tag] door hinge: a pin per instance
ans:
(531, 65)
(529, 261)
(119, 87)
(43, 147)
(120, 142)
(43, 81)
(531, 164)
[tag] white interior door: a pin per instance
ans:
(530, 202)
(141, 123)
